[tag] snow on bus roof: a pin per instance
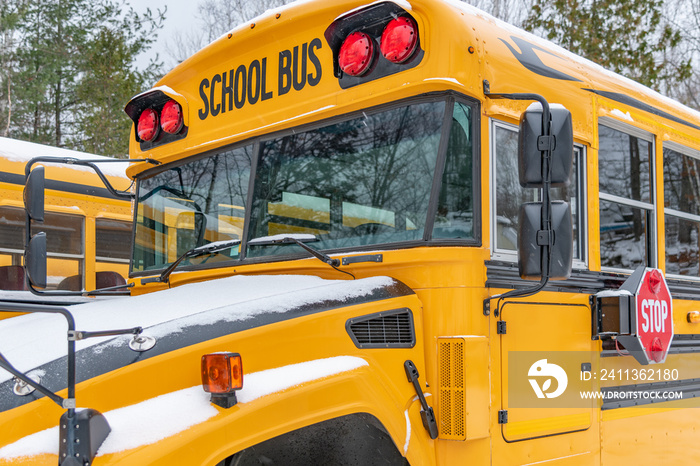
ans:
(164, 89)
(15, 150)
(402, 3)
(550, 46)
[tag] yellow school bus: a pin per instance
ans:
(393, 232)
(89, 228)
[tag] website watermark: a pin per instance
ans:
(570, 379)
(633, 395)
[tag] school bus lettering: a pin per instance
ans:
(292, 67)
(285, 72)
(239, 86)
(215, 108)
(265, 94)
(204, 112)
(249, 84)
(313, 58)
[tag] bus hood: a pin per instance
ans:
(176, 318)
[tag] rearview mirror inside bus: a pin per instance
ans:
(530, 150)
(35, 260)
(34, 194)
(531, 237)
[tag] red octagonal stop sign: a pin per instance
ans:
(653, 313)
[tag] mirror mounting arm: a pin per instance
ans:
(73, 441)
(91, 164)
(546, 144)
(34, 211)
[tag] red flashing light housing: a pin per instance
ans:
(654, 278)
(656, 350)
(357, 38)
(147, 128)
(171, 117)
(399, 39)
(356, 54)
(159, 118)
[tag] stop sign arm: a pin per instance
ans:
(639, 315)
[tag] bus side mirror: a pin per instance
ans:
(35, 260)
(545, 247)
(531, 237)
(531, 144)
(34, 194)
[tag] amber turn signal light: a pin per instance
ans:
(222, 375)
(694, 317)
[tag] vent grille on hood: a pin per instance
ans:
(388, 329)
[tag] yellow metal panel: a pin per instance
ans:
(649, 436)
(463, 387)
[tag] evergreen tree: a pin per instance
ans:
(11, 11)
(74, 64)
(626, 36)
(112, 79)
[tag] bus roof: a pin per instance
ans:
(14, 150)
(463, 47)
(586, 67)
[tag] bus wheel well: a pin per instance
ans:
(355, 439)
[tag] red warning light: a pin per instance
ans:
(356, 54)
(147, 128)
(399, 39)
(171, 117)
(654, 278)
(656, 350)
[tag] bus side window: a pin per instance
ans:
(455, 212)
(626, 198)
(509, 195)
(112, 250)
(682, 209)
(508, 192)
(65, 233)
(12, 234)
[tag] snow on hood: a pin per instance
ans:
(172, 413)
(32, 340)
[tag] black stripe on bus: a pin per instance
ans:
(13, 178)
(505, 275)
(627, 396)
(98, 360)
(638, 104)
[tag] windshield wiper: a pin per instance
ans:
(300, 239)
(203, 250)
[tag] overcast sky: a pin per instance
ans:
(181, 16)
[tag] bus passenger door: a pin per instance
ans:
(544, 347)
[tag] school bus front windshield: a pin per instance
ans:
(368, 179)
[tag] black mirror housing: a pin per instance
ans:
(531, 238)
(530, 146)
(34, 194)
(35, 260)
